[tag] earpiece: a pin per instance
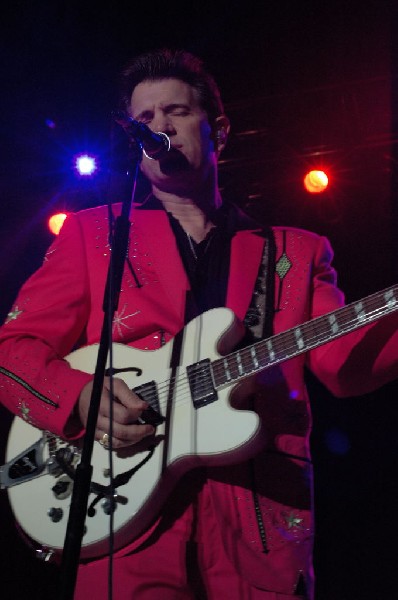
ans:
(220, 136)
(220, 132)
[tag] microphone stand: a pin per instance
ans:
(83, 473)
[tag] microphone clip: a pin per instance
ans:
(153, 144)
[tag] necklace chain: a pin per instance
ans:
(192, 246)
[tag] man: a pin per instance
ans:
(236, 531)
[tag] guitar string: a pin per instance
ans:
(288, 352)
(278, 341)
(217, 365)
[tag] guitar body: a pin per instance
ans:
(197, 397)
(211, 434)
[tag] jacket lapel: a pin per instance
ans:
(160, 245)
(246, 254)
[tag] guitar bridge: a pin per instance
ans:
(201, 383)
(26, 466)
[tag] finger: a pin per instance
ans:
(127, 405)
(132, 434)
(122, 414)
(123, 436)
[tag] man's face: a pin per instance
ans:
(172, 107)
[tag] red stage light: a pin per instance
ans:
(316, 181)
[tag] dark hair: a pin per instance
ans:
(178, 64)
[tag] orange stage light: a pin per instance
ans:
(55, 222)
(316, 182)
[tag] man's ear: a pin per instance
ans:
(221, 129)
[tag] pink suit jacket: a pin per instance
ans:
(60, 308)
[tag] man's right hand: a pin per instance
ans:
(127, 408)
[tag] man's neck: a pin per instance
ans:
(194, 216)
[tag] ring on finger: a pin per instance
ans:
(104, 441)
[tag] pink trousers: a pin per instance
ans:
(186, 562)
(162, 575)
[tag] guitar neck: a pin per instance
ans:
(304, 337)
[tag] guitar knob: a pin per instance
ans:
(108, 505)
(55, 514)
(44, 554)
(63, 488)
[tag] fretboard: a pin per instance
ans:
(304, 337)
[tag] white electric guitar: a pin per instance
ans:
(196, 425)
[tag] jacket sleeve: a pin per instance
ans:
(361, 361)
(45, 323)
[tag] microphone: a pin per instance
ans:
(154, 145)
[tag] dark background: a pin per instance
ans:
(306, 84)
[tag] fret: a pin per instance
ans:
(359, 311)
(288, 347)
(232, 370)
(248, 362)
(387, 301)
(279, 345)
(298, 335)
(253, 354)
(262, 354)
(284, 345)
(342, 320)
(225, 370)
(228, 375)
(271, 352)
(333, 324)
(234, 366)
(390, 299)
(241, 370)
(312, 330)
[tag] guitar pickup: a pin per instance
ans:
(201, 383)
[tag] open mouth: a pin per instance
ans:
(174, 161)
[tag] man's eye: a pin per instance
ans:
(145, 119)
(180, 113)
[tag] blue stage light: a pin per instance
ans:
(85, 165)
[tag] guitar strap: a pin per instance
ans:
(259, 315)
(259, 321)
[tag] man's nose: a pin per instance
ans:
(163, 124)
